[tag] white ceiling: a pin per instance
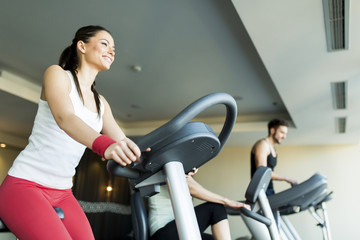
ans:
(270, 55)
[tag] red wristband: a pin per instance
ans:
(101, 143)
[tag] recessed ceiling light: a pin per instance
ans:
(2, 145)
(134, 106)
(136, 68)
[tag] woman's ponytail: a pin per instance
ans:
(68, 58)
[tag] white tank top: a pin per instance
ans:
(51, 156)
(160, 210)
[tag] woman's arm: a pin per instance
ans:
(125, 151)
(56, 89)
(198, 191)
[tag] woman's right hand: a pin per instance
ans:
(124, 152)
(235, 204)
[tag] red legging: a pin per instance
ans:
(27, 210)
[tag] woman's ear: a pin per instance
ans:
(81, 46)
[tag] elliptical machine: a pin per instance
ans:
(176, 148)
(260, 220)
(311, 195)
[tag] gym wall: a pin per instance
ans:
(229, 174)
(7, 156)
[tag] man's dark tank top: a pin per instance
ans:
(271, 163)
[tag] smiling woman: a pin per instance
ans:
(86, 48)
(71, 116)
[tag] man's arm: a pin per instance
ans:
(278, 177)
(261, 151)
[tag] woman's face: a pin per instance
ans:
(99, 52)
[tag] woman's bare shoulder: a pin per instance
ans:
(54, 69)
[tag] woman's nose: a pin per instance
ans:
(111, 51)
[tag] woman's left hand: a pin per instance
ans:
(192, 173)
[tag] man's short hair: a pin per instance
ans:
(276, 123)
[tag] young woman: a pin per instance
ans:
(71, 115)
(211, 213)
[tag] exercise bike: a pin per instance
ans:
(176, 148)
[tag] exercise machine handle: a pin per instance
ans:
(188, 114)
(256, 216)
(178, 122)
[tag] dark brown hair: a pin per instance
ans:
(69, 59)
(276, 123)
